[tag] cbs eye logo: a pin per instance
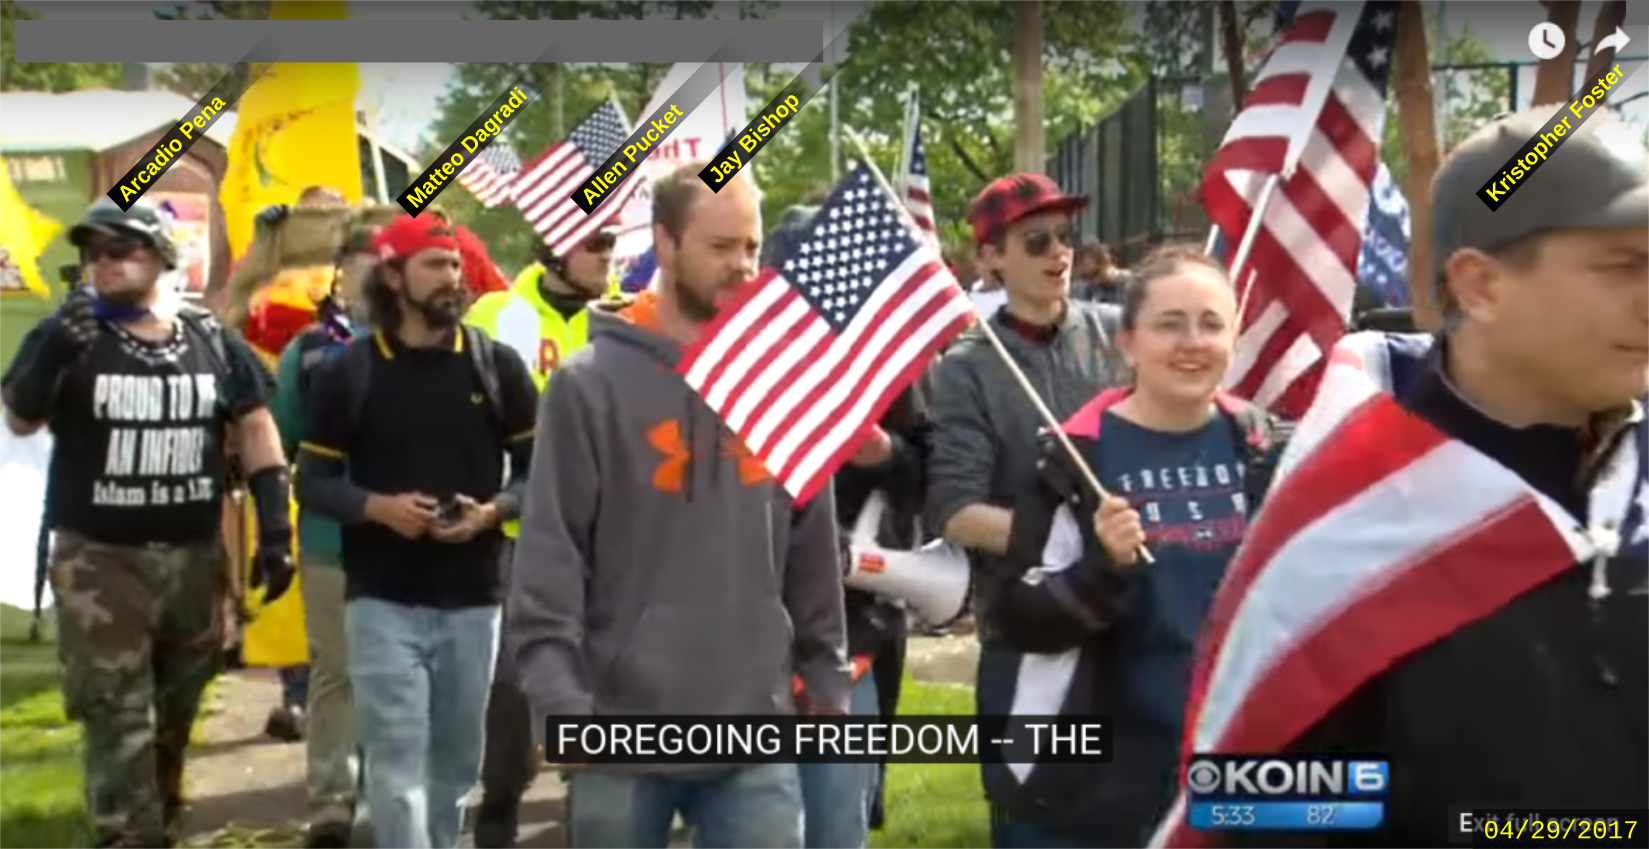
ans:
(1203, 777)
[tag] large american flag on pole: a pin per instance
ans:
(1315, 117)
(544, 188)
(1381, 536)
(492, 174)
(814, 351)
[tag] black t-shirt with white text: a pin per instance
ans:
(138, 434)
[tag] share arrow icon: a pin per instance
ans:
(1614, 41)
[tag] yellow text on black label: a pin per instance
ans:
(744, 147)
(422, 191)
(618, 167)
(1563, 124)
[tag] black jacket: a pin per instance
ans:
(872, 622)
(1109, 804)
(1541, 705)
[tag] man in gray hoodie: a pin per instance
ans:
(660, 571)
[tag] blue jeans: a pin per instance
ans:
(837, 798)
(727, 808)
(420, 678)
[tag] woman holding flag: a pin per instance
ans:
(1183, 465)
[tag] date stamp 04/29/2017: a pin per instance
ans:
(1552, 828)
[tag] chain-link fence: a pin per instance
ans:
(1139, 166)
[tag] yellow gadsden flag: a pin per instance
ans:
(294, 129)
(24, 234)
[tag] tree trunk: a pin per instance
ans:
(1554, 81)
(1412, 79)
(1030, 151)
(1231, 46)
(1612, 15)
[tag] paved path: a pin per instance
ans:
(248, 790)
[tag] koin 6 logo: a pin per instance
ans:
(1286, 777)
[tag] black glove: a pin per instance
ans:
(272, 216)
(272, 568)
(66, 335)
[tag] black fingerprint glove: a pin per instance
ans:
(271, 217)
(67, 334)
(272, 566)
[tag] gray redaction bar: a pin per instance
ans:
(418, 41)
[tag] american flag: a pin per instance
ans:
(491, 175)
(915, 185)
(1382, 267)
(544, 188)
(814, 352)
(1315, 117)
(1381, 536)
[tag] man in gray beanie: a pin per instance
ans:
(1542, 367)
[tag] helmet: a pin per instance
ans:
(142, 219)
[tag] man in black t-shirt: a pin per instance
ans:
(408, 433)
(140, 405)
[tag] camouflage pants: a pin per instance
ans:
(140, 637)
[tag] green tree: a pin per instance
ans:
(194, 79)
(1468, 98)
(959, 57)
(45, 76)
(580, 89)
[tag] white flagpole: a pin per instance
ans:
(1024, 382)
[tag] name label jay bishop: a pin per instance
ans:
(743, 148)
(1543, 144)
(826, 739)
(452, 161)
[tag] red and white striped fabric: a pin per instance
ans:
(1381, 536)
(1315, 117)
(492, 175)
(813, 352)
(544, 188)
(917, 199)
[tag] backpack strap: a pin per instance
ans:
(484, 360)
(1263, 438)
(353, 366)
(203, 325)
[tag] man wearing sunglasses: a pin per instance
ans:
(141, 401)
(544, 317)
(985, 428)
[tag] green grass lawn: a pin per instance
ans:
(928, 805)
(931, 805)
(40, 776)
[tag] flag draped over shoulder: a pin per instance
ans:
(294, 129)
(24, 234)
(1381, 536)
(815, 350)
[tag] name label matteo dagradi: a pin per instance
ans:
(743, 149)
(172, 146)
(452, 161)
(1540, 147)
(636, 148)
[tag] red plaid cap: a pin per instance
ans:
(1014, 198)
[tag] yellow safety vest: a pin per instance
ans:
(523, 320)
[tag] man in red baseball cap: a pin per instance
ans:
(984, 442)
(409, 430)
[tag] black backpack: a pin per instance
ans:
(353, 365)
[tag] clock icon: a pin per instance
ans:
(1546, 40)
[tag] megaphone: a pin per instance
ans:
(932, 580)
